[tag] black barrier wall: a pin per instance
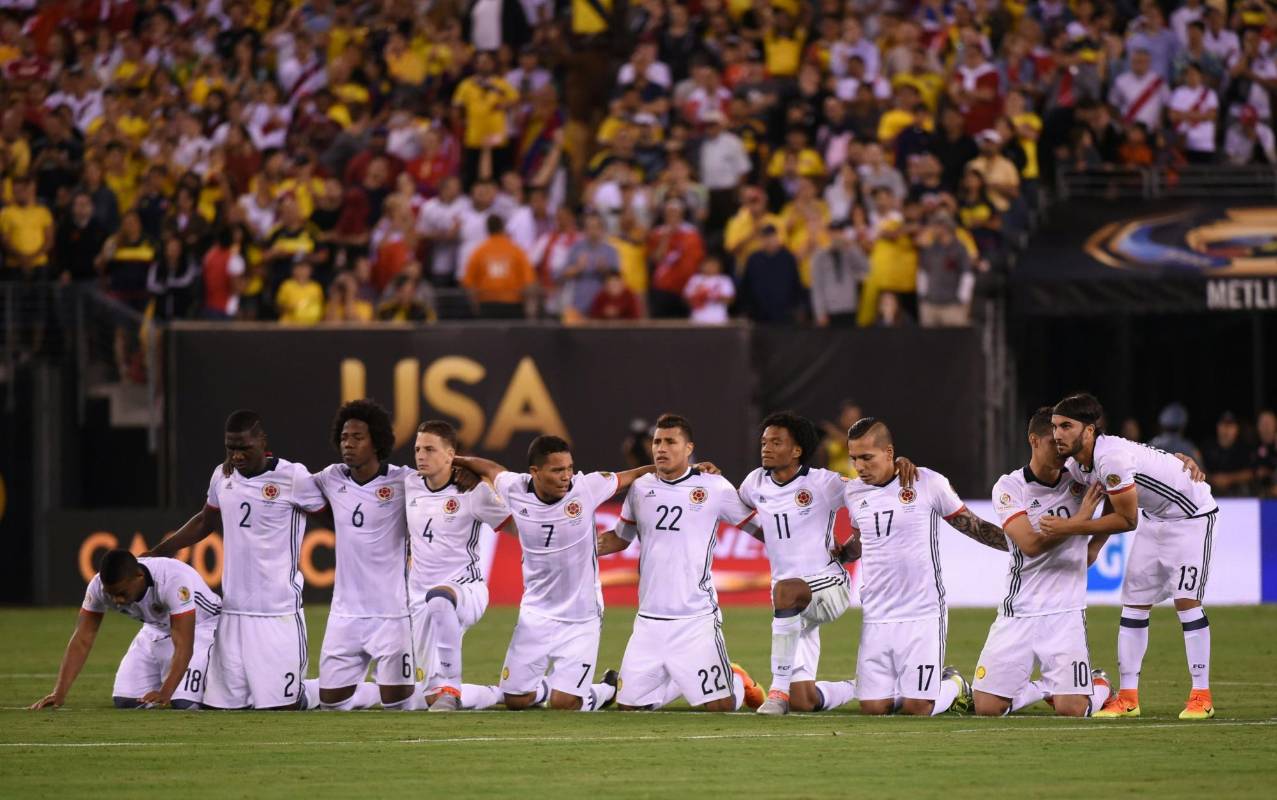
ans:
(504, 385)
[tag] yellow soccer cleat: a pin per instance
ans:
(1199, 705)
(754, 694)
(1126, 703)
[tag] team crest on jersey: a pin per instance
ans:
(803, 498)
(698, 496)
(505, 673)
(384, 493)
(606, 474)
(907, 495)
(1112, 481)
(184, 593)
(451, 506)
(980, 672)
(270, 491)
(573, 509)
(1005, 499)
(1076, 489)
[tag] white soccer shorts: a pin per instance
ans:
(147, 660)
(472, 602)
(689, 652)
(352, 643)
(1168, 559)
(1055, 642)
(830, 599)
(563, 652)
(257, 662)
(901, 659)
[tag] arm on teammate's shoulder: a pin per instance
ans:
(182, 629)
(482, 467)
(1192, 468)
(610, 543)
(907, 471)
(77, 652)
(625, 479)
(1020, 531)
(1121, 514)
(965, 522)
(195, 530)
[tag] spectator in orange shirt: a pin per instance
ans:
(675, 251)
(499, 277)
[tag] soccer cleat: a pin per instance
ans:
(448, 699)
(963, 702)
(1126, 703)
(1199, 705)
(753, 692)
(611, 678)
(777, 704)
(1101, 678)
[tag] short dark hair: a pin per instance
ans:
(117, 565)
(800, 428)
(1083, 407)
(870, 426)
(545, 446)
(380, 428)
(243, 421)
(676, 421)
(495, 224)
(440, 428)
(1040, 422)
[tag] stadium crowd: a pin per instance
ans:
(867, 162)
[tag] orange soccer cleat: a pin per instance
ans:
(1199, 705)
(753, 692)
(1126, 703)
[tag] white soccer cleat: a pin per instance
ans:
(776, 704)
(448, 699)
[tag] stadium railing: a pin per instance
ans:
(1147, 183)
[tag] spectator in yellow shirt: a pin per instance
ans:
(481, 102)
(743, 234)
(796, 159)
(26, 229)
(300, 300)
(783, 43)
(893, 259)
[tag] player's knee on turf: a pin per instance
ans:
(562, 701)
(803, 696)
(395, 694)
(721, 704)
(990, 705)
(791, 593)
(1072, 705)
(334, 696)
(876, 708)
(917, 708)
(125, 702)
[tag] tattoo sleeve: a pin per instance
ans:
(986, 533)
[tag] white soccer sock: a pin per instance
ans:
(1132, 643)
(310, 694)
(1196, 645)
(1032, 692)
(447, 638)
(477, 697)
(786, 627)
(1099, 698)
(738, 690)
(600, 693)
(948, 693)
(835, 693)
(366, 695)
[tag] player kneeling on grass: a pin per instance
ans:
(165, 664)
(897, 528)
(555, 646)
(677, 648)
(369, 622)
(1042, 617)
(446, 586)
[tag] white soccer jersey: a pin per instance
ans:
(1054, 581)
(262, 525)
(372, 541)
(797, 520)
(172, 589)
(677, 524)
(560, 544)
(899, 529)
(444, 527)
(1164, 489)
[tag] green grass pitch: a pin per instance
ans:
(89, 749)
